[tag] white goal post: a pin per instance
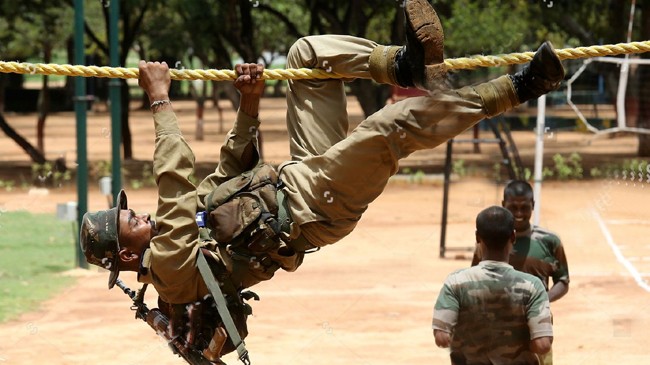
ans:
(621, 123)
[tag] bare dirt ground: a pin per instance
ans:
(367, 299)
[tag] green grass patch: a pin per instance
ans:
(34, 249)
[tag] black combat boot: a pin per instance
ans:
(543, 74)
(420, 62)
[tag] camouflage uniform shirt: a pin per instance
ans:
(538, 252)
(492, 312)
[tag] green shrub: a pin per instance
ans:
(568, 168)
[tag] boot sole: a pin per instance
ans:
(549, 63)
(424, 21)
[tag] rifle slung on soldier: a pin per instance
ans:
(157, 320)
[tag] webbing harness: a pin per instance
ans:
(300, 244)
(222, 308)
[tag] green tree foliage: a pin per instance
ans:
(21, 40)
(486, 27)
(132, 16)
(217, 33)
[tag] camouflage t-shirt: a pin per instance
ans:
(538, 252)
(492, 312)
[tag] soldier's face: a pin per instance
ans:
(521, 208)
(136, 230)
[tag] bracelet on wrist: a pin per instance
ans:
(158, 103)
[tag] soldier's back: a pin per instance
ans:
(494, 301)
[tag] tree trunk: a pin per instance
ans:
(69, 81)
(43, 103)
(200, 107)
(33, 153)
(43, 107)
(124, 118)
(3, 83)
(222, 61)
(215, 102)
(644, 87)
(200, 96)
(232, 94)
(245, 33)
(145, 98)
(371, 97)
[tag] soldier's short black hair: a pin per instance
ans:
(517, 188)
(495, 226)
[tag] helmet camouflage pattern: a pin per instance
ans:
(98, 238)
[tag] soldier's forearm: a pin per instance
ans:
(541, 345)
(443, 339)
(250, 104)
(160, 103)
(558, 290)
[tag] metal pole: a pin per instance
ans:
(625, 70)
(115, 98)
(80, 116)
(445, 199)
(539, 156)
(504, 150)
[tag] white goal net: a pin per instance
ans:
(604, 92)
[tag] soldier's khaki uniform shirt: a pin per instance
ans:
(332, 177)
(170, 263)
(492, 312)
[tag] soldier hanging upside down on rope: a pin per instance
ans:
(250, 220)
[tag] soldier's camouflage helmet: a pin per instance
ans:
(99, 237)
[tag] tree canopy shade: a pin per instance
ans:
(20, 39)
(216, 33)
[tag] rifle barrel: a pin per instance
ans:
(125, 289)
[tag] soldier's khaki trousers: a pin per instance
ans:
(334, 175)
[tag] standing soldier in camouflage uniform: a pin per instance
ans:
(491, 313)
(536, 251)
(323, 191)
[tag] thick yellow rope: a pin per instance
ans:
(305, 73)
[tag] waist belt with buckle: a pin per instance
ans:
(299, 244)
